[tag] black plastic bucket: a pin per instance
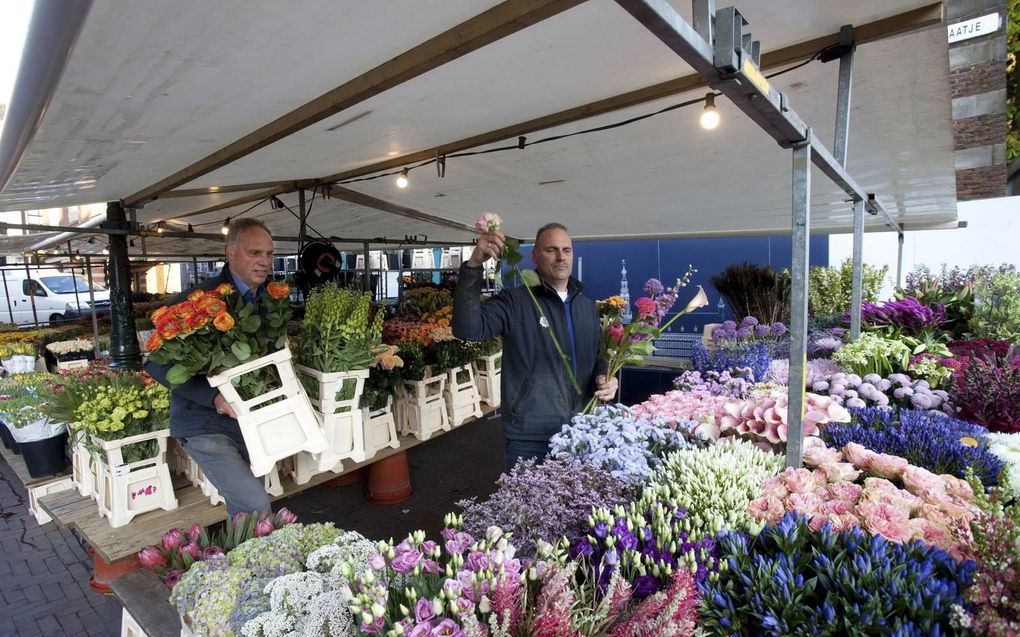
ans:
(45, 457)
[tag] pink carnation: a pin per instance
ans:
(959, 488)
(799, 480)
(902, 500)
(774, 487)
(886, 520)
(888, 466)
(930, 533)
(645, 306)
(837, 507)
(918, 480)
(806, 503)
(858, 455)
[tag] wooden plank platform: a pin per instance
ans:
(16, 463)
(81, 514)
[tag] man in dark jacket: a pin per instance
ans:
(200, 418)
(538, 397)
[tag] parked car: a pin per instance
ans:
(58, 296)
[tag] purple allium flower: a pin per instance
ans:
(730, 325)
(762, 331)
(743, 333)
(653, 287)
(749, 321)
(778, 329)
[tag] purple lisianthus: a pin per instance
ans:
(645, 585)
(422, 629)
(653, 286)
(405, 561)
(477, 561)
(423, 611)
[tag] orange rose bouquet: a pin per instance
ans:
(217, 329)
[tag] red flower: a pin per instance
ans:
(615, 333)
(645, 307)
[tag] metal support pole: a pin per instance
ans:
(858, 271)
(704, 16)
(801, 228)
(302, 219)
(31, 293)
(366, 285)
(194, 273)
(899, 259)
(74, 280)
(124, 338)
(846, 73)
(7, 293)
(92, 302)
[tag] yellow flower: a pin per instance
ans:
(967, 441)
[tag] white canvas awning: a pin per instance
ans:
(150, 92)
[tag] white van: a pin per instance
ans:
(53, 292)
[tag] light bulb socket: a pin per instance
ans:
(402, 178)
(226, 226)
(710, 101)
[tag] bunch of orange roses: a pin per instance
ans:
(217, 329)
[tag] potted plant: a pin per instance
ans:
(40, 441)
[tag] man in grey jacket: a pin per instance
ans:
(538, 397)
(200, 419)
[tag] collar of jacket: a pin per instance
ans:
(574, 288)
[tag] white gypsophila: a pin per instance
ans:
(328, 616)
(1006, 447)
(292, 593)
(325, 558)
(67, 347)
(269, 624)
(356, 554)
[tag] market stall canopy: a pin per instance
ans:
(241, 101)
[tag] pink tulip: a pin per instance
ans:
(172, 539)
(264, 527)
(151, 557)
(191, 549)
(195, 532)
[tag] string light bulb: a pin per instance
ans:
(161, 227)
(226, 226)
(402, 179)
(710, 116)
(106, 251)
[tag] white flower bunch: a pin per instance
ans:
(1007, 448)
(329, 616)
(69, 347)
(714, 485)
(270, 625)
(293, 593)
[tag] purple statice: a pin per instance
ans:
(626, 445)
(932, 441)
(725, 383)
(640, 544)
(544, 501)
(653, 286)
(750, 359)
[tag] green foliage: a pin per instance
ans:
(756, 290)
(997, 306)
(338, 334)
(829, 288)
(873, 354)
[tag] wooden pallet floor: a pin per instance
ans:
(81, 514)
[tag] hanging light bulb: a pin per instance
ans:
(161, 227)
(226, 226)
(402, 179)
(106, 251)
(710, 116)
(191, 228)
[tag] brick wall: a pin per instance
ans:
(977, 80)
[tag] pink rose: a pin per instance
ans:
(488, 222)
(839, 471)
(799, 480)
(766, 509)
(858, 455)
(959, 488)
(930, 533)
(774, 487)
(844, 491)
(879, 484)
(888, 466)
(902, 500)
(817, 455)
(886, 520)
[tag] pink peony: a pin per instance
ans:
(931, 533)
(766, 509)
(837, 507)
(902, 500)
(886, 520)
(879, 484)
(959, 488)
(839, 471)
(488, 222)
(888, 466)
(799, 480)
(774, 487)
(817, 455)
(806, 503)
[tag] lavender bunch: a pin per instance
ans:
(725, 383)
(624, 444)
(936, 442)
(544, 501)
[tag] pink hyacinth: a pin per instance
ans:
(488, 222)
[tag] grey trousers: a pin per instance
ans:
(225, 462)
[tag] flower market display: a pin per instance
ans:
(672, 517)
